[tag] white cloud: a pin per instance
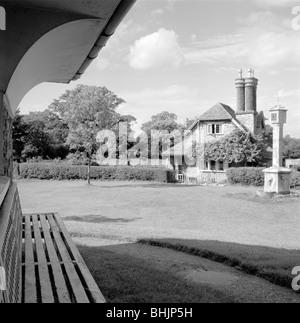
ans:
(276, 3)
(265, 41)
(181, 100)
(160, 49)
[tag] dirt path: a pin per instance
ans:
(239, 286)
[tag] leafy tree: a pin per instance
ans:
(291, 147)
(162, 122)
(29, 138)
(19, 133)
(87, 110)
(189, 122)
(268, 136)
(54, 129)
(238, 148)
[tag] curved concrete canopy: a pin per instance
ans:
(52, 41)
(56, 57)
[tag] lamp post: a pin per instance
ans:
(278, 178)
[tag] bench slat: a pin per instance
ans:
(44, 277)
(74, 280)
(92, 286)
(60, 284)
(30, 279)
(54, 268)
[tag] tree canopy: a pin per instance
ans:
(291, 147)
(238, 147)
(87, 110)
(39, 134)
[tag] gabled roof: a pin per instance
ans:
(218, 112)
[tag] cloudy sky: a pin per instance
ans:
(182, 56)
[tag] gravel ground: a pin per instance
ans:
(114, 212)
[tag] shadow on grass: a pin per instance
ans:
(274, 265)
(125, 279)
(99, 219)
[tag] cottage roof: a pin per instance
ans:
(219, 111)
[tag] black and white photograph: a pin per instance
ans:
(149, 154)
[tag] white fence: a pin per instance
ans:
(203, 177)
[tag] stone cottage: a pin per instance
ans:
(216, 123)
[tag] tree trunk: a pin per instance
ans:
(89, 172)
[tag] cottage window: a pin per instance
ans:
(215, 129)
(221, 165)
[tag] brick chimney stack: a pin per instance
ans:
(240, 83)
(251, 92)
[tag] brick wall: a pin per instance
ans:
(7, 143)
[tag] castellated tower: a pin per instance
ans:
(247, 100)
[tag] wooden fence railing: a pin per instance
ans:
(10, 243)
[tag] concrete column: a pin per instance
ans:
(1, 136)
(277, 145)
(240, 96)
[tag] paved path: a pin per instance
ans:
(120, 212)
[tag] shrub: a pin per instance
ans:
(246, 176)
(47, 171)
(295, 179)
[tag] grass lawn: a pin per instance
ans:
(225, 224)
(274, 265)
(128, 211)
(140, 273)
(125, 279)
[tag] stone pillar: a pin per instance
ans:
(251, 92)
(240, 96)
(278, 178)
(277, 145)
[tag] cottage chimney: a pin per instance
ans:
(240, 86)
(251, 92)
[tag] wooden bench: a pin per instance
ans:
(53, 270)
(41, 261)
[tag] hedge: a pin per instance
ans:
(46, 171)
(255, 176)
(246, 176)
(295, 181)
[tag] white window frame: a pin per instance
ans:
(212, 129)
